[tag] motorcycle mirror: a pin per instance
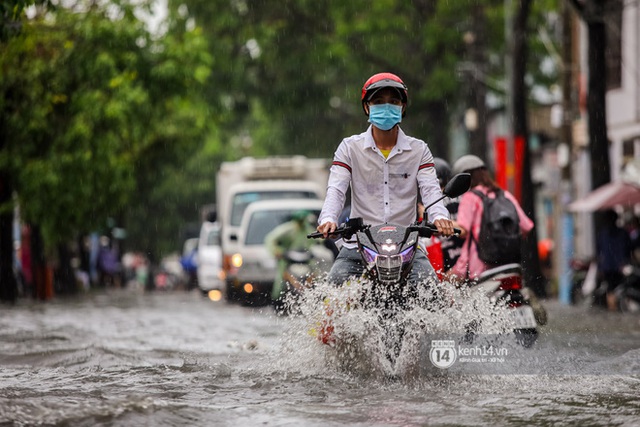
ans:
(458, 185)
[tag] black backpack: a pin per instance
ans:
(499, 238)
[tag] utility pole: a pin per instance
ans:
(520, 139)
(563, 221)
(508, 68)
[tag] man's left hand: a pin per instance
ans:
(445, 226)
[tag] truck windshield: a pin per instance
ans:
(242, 200)
(262, 222)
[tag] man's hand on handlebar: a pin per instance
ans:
(444, 226)
(326, 228)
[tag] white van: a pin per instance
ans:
(243, 194)
(210, 273)
(253, 268)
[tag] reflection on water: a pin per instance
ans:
(122, 358)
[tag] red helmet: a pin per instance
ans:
(380, 80)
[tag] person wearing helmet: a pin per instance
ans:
(443, 171)
(382, 166)
(290, 235)
(452, 246)
(469, 217)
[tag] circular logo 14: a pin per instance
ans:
(443, 353)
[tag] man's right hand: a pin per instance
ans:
(326, 228)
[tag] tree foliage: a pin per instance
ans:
(302, 64)
(92, 102)
(11, 15)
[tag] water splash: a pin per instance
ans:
(338, 328)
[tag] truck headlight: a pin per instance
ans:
(236, 260)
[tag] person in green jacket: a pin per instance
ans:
(291, 235)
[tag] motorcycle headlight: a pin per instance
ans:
(389, 268)
(407, 254)
(369, 255)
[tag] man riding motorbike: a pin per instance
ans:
(383, 166)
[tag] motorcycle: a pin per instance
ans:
(579, 273)
(388, 252)
(301, 268)
(504, 285)
(628, 292)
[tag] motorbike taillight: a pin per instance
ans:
(511, 283)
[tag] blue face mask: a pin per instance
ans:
(385, 116)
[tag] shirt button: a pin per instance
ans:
(385, 182)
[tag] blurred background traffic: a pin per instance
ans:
(118, 119)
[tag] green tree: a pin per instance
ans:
(11, 12)
(92, 103)
(303, 64)
(10, 23)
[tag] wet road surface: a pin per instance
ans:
(123, 358)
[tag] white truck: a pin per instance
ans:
(248, 180)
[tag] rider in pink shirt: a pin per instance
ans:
(469, 265)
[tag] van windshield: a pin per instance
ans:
(262, 222)
(242, 200)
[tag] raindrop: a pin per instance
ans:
(335, 102)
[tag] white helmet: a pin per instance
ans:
(467, 163)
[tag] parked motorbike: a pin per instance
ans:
(579, 272)
(628, 292)
(388, 252)
(505, 285)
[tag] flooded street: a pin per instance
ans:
(123, 358)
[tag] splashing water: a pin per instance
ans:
(338, 327)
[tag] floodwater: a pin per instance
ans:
(124, 358)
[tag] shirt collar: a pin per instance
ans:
(402, 143)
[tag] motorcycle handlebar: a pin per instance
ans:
(426, 230)
(315, 235)
(340, 231)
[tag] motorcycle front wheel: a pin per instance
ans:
(628, 305)
(526, 337)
